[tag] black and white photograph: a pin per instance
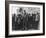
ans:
(25, 18)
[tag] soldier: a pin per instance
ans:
(20, 25)
(30, 21)
(33, 21)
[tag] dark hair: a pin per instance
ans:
(20, 9)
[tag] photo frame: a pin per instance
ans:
(24, 18)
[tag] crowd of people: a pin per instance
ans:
(25, 21)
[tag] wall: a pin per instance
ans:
(2, 19)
